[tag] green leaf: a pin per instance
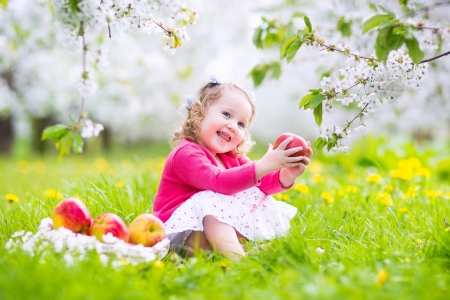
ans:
(318, 114)
(276, 70)
(395, 41)
(344, 27)
(375, 21)
(257, 37)
(414, 50)
(4, 3)
(319, 144)
(297, 14)
(286, 45)
(390, 13)
(64, 144)
(331, 143)
(54, 132)
(308, 23)
(305, 100)
(78, 143)
(315, 101)
(292, 50)
(381, 52)
(258, 74)
(316, 91)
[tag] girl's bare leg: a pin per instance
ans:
(222, 237)
(197, 242)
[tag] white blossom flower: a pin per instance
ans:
(326, 81)
(320, 250)
(90, 129)
(86, 88)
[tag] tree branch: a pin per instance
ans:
(413, 13)
(436, 57)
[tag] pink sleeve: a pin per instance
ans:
(195, 169)
(270, 183)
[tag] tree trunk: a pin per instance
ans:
(38, 126)
(106, 139)
(6, 135)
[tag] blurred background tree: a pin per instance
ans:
(140, 85)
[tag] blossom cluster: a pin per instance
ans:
(368, 82)
(74, 246)
(141, 16)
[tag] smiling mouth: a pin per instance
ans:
(224, 136)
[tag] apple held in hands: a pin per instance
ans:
(296, 142)
(109, 223)
(147, 230)
(72, 214)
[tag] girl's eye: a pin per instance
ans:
(226, 114)
(241, 124)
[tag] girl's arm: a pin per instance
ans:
(193, 167)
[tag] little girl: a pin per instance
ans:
(211, 196)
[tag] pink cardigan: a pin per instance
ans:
(191, 168)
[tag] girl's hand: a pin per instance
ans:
(277, 159)
(288, 175)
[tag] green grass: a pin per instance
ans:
(372, 250)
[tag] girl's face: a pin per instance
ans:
(225, 122)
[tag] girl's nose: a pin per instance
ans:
(231, 126)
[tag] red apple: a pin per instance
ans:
(296, 142)
(147, 230)
(109, 223)
(72, 213)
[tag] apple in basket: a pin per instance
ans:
(109, 223)
(296, 142)
(147, 230)
(72, 214)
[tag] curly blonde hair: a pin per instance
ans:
(206, 96)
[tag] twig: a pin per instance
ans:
(436, 57)
(413, 13)
(358, 115)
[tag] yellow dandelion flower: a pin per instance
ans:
(402, 209)
(385, 199)
(284, 197)
(447, 195)
(419, 242)
(432, 194)
(401, 174)
(423, 173)
(120, 183)
(11, 198)
(223, 265)
(159, 264)
(315, 166)
(407, 260)
(409, 164)
(341, 193)
(317, 178)
(53, 193)
(374, 178)
(388, 188)
(77, 196)
(302, 189)
(328, 197)
(123, 261)
(352, 189)
(382, 277)
(23, 165)
(447, 229)
(410, 193)
(101, 164)
(40, 167)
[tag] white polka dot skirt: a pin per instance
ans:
(252, 213)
